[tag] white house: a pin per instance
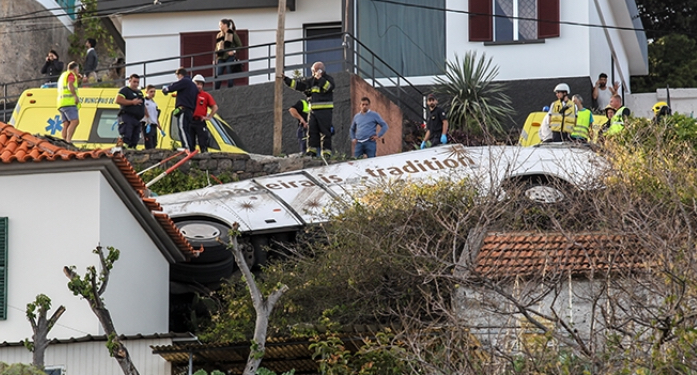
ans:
(57, 206)
(571, 39)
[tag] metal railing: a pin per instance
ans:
(356, 58)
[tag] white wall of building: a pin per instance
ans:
(155, 36)
(93, 358)
(138, 292)
(682, 101)
(603, 41)
(56, 220)
(556, 57)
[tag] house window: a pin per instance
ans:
(515, 20)
(3, 268)
(500, 20)
(407, 35)
(324, 44)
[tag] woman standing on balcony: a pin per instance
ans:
(53, 67)
(226, 43)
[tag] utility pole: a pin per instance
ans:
(278, 94)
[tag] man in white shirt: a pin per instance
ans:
(602, 92)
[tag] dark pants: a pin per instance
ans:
(561, 137)
(199, 132)
(320, 124)
(149, 135)
(184, 126)
(435, 138)
(302, 139)
(223, 65)
(129, 130)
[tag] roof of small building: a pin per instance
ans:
(527, 254)
(21, 148)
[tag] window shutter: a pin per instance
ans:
(3, 268)
(548, 15)
(480, 21)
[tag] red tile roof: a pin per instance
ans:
(17, 146)
(527, 254)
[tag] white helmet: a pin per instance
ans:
(562, 87)
(199, 78)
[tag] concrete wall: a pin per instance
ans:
(526, 95)
(250, 110)
(681, 101)
(24, 44)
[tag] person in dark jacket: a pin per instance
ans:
(187, 92)
(91, 60)
(226, 43)
(321, 87)
(53, 67)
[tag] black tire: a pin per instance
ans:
(213, 236)
(201, 273)
(260, 250)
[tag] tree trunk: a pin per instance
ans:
(116, 348)
(262, 306)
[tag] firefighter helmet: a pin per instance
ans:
(657, 107)
(562, 87)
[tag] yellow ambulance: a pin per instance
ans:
(36, 113)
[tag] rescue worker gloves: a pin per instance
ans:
(423, 145)
(444, 139)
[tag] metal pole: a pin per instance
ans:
(4, 102)
(191, 361)
(145, 74)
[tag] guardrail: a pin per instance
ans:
(356, 58)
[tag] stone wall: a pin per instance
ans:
(25, 44)
(240, 166)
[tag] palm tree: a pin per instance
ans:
(477, 103)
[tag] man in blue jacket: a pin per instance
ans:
(363, 132)
(187, 92)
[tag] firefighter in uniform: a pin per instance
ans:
(321, 88)
(621, 114)
(562, 114)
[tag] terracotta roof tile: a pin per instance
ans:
(17, 146)
(528, 254)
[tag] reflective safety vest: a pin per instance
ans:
(616, 123)
(583, 122)
(569, 116)
(65, 97)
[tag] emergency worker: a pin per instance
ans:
(68, 101)
(301, 112)
(660, 110)
(562, 114)
(621, 114)
(321, 87)
(583, 131)
(199, 127)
